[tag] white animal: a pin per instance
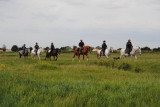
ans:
(33, 53)
(135, 49)
(107, 52)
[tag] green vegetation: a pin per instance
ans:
(127, 82)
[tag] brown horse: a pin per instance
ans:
(54, 53)
(77, 52)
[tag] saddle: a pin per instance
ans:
(128, 50)
(102, 53)
(80, 50)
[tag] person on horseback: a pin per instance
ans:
(52, 47)
(104, 46)
(129, 47)
(24, 48)
(36, 47)
(81, 45)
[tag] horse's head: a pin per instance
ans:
(110, 49)
(140, 51)
(89, 49)
(41, 50)
(137, 49)
(58, 51)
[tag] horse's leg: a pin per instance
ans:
(73, 57)
(56, 57)
(135, 57)
(39, 57)
(121, 57)
(97, 56)
(79, 57)
(107, 56)
(19, 55)
(31, 56)
(87, 57)
(83, 56)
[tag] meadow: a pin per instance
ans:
(97, 83)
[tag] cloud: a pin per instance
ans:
(66, 21)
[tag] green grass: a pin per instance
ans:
(106, 82)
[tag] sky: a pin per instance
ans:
(65, 22)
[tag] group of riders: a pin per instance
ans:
(81, 47)
(104, 47)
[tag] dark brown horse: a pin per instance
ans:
(77, 52)
(54, 53)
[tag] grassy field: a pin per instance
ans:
(127, 82)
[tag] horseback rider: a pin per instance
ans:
(24, 48)
(129, 47)
(52, 47)
(104, 46)
(81, 45)
(36, 47)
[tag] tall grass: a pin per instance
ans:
(126, 82)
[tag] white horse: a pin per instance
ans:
(33, 53)
(135, 49)
(107, 52)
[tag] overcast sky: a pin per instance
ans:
(65, 22)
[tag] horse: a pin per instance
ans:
(21, 53)
(54, 53)
(84, 52)
(33, 53)
(135, 49)
(107, 52)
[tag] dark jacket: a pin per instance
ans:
(52, 47)
(81, 44)
(36, 47)
(104, 46)
(128, 47)
(23, 47)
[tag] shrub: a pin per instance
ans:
(14, 48)
(4, 48)
(125, 66)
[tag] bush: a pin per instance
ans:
(125, 66)
(14, 48)
(4, 48)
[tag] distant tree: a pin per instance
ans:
(156, 49)
(68, 48)
(46, 48)
(98, 47)
(74, 47)
(146, 49)
(14, 48)
(119, 48)
(63, 48)
(4, 47)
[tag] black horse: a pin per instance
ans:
(22, 53)
(54, 53)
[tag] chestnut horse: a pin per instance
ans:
(84, 52)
